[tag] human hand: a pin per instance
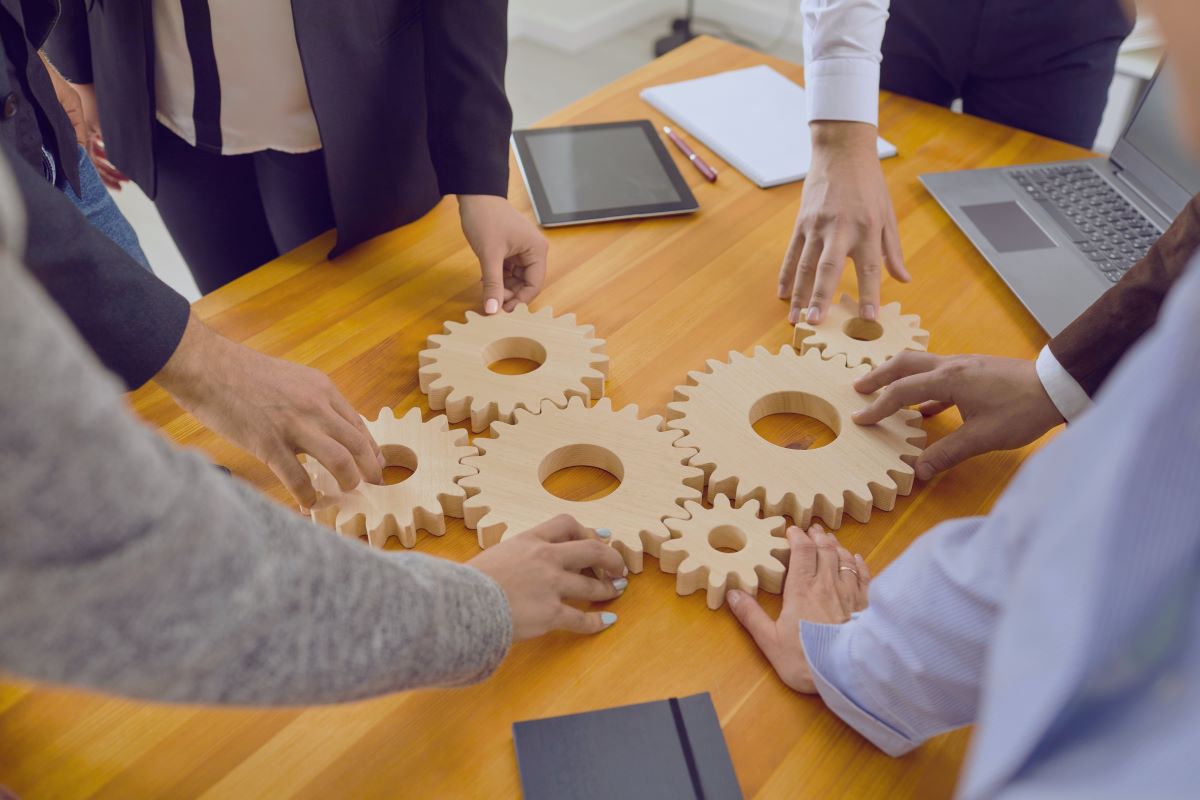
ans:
(1002, 402)
(824, 584)
(109, 175)
(845, 211)
(541, 569)
(511, 250)
(273, 408)
(68, 98)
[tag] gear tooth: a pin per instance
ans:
(544, 311)
(892, 307)
(471, 316)
(449, 326)
(712, 366)
(921, 337)
(604, 403)
(761, 351)
(676, 410)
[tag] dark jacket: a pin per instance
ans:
(408, 96)
(30, 115)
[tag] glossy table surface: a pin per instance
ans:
(666, 294)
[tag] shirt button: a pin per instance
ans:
(10, 105)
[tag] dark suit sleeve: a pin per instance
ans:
(69, 48)
(131, 319)
(470, 121)
(1092, 345)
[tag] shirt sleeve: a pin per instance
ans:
(843, 42)
(910, 666)
(1065, 392)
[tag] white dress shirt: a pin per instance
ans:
(264, 101)
(1066, 623)
(843, 45)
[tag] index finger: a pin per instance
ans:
(904, 363)
(905, 392)
(563, 528)
(590, 554)
(534, 276)
(829, 272)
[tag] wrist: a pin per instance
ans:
(843, 136)
(190, 368)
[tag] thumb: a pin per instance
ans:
(491, 265)
(947, 452)
(760, 626)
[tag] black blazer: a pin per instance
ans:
(408, 96)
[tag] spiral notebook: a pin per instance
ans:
(754, 118)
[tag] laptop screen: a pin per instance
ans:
(1151, 151)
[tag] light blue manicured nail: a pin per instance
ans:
(604, 533)
(619, 584)
(608, 618)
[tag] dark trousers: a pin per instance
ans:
(230, 214)
(1039, 65)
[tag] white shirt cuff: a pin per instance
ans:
(1065, 392)
(827, 649)
(843, 89)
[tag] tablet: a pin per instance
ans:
(595, 173)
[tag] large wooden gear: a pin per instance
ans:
(431, 450)
(864, 467)
(454, 368)
(723, 548)
(507, 497)
(861, 341)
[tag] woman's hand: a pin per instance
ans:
(541, 569)
(94, 144)
(511, 251)
(824, 584)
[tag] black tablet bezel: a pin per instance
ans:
(541, 203)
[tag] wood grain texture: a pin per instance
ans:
(666, 294)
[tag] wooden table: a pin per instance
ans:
(667, 294)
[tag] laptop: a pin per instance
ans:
(1060, 234)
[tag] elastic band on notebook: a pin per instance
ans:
(686, 743)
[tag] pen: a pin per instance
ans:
(705, 170)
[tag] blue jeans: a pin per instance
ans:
(97, 205)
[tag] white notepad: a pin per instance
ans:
(754, 118)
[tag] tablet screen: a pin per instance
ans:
(600, 168)
(588, 173)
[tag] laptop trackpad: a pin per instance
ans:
(1007, 227)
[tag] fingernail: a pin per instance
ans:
(304, 511)
(491, 306)
(382, 461)
(620, 583)
(625, 571)
(814, 316)
(868, 312)
(815, 529)
(734, 597)
(794, 316)
(604, 533)
(924, 472)
(607, 618)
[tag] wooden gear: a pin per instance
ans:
(454, 368)
(507, 496)
(758, 557)
(861, 341)
(431, 450)
(864, 466)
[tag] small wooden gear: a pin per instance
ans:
(725, 548)
(431, 450)
(861, 341)
(454, 368)
(864, 466)
(507, 496)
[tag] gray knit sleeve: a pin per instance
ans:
(130, 566)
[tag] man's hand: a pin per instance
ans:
(845, 211)
(824, 584)
(1002, 402)
(511, 251)
(273, 408)
(109, 175)
(542, 569)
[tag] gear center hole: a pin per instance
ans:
(795, 420)
(581, 472)
(727, 538)
(401, 463)
(514, 355)
(864, 330)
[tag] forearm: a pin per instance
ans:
(132, 567)
(910, 666)
(843, 42)
(470, 120)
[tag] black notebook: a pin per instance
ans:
(658, 751)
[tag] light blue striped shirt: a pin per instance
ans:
(1065, 624)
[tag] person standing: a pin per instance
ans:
(255, 127)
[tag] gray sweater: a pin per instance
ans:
(130, 566)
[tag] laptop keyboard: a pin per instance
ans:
(1106, 227)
